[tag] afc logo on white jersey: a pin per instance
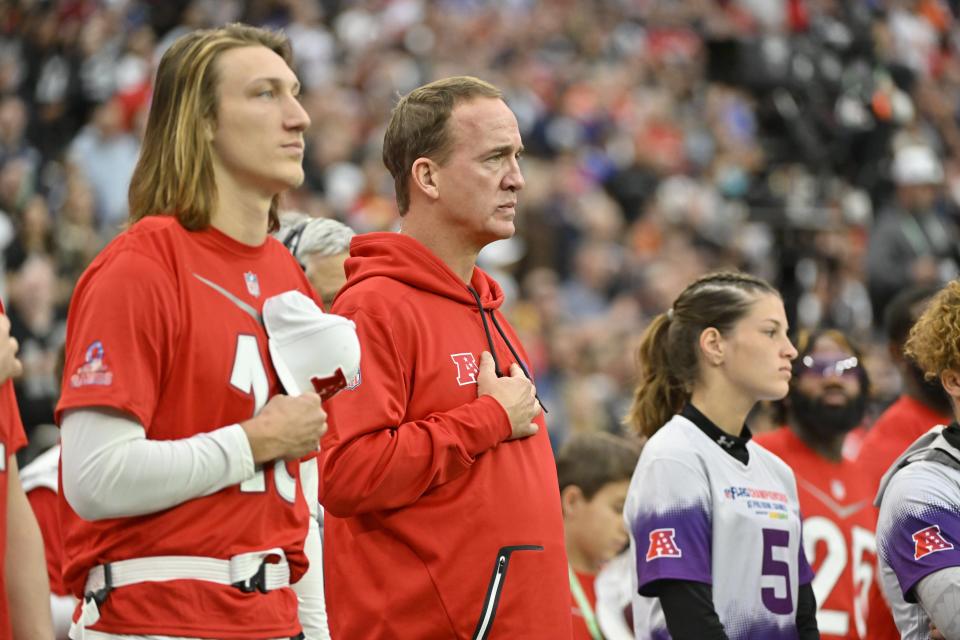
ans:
(929, 540)
(467, 369)
(663, 544)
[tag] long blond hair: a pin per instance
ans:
(174, 175)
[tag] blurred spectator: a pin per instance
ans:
(34, 233)
(827, 401)
(39, 324)
(594, 472)
(912, 243)
(106, 153)
(921, 405)
(77, 239)
(321, 246)
(13, 143)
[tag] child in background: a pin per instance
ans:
(594, 471)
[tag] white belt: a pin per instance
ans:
(248, 572)
(254, 571)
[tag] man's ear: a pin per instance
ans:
(424, 174)
(950, 379)
(571, 499)
(712, 346)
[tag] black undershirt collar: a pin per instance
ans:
(735, 446)
(952, 434)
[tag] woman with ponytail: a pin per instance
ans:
(713, 518)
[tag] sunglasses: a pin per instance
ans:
(848, 366)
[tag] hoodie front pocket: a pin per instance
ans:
(489, 612)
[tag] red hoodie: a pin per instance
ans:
(438, 527)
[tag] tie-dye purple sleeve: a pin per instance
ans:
(672, 527)
(918, 540)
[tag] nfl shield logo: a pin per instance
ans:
(253, 285)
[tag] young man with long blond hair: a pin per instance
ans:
(181, 505)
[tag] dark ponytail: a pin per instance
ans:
(660, 393)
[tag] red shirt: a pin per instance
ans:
(580, 630)
(903, 422)
(12, 439)
(45, 508)
(838, 534)
(164, 326)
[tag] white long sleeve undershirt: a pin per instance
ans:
(939, 595)
(111, 469)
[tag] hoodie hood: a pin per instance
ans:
(402, 258)
(932, 439)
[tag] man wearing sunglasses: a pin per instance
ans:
(827, 400)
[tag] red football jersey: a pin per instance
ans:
(165, 326)
(12, 439)
(839, 525)
(903, 422)
(45, 508)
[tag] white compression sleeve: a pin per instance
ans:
(61, 610)
(939, 595)
(111, 469)
(309, 589)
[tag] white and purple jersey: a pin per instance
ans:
(696, 513)
(918, 532)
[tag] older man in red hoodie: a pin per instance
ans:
(437, 469)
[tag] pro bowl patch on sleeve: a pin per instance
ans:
(94, 371)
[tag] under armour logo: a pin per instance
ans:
(662, 545)
(929, 541)
(467, 369)
(725, 442)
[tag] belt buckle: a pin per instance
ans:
(256, 582)
(100, 595)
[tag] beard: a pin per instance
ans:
(827, 420)
(930, 392)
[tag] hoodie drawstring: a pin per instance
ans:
(493, 350)
(486, 330)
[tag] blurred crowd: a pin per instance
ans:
(812, 142)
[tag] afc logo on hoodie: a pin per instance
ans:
(467, 369)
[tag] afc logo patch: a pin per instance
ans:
(663, 545)
(928, 541)
(467, 369)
